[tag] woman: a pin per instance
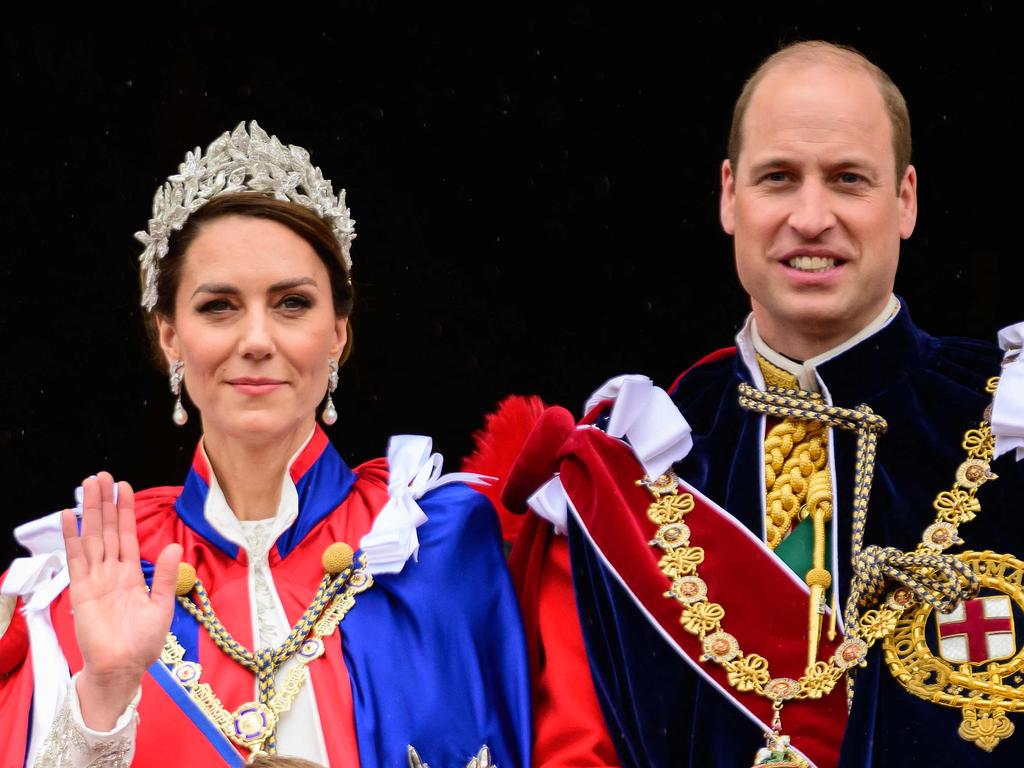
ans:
(282, 639)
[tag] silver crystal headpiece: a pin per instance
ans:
(239, 161)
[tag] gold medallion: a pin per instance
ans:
(968, 658)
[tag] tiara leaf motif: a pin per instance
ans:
(240, 161)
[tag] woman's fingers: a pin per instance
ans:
(128, 540)
(111, 545)
(77, 564)
(165, 576)
(92, 521)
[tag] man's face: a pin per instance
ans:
(814, 206)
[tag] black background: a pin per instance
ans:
(535, 190)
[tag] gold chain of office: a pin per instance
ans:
(926, 574)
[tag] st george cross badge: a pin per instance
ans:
(969, 658)
(978, 631)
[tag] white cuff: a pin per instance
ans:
(72, 744)
(128, 718)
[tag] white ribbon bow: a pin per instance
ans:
(412, 471)
(1008, 404)
(642, 413)
(38, 580)
(646, 416)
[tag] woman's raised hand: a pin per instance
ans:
(120, 623)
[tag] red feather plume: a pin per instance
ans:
(498, 445)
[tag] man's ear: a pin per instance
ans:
(727, 201)
(908, 202)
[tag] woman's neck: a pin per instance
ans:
(249, 474)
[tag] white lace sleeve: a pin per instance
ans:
(72, 744)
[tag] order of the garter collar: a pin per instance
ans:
(240, 161)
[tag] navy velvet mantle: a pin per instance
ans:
(930, 391)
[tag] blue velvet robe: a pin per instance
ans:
(930, 390)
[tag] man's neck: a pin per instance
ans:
(806, 344)
(803, 367)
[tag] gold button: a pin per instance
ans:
(186, 581)
(337, 557)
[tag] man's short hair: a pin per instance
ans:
(815, 52)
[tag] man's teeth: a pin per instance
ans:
(812, 263)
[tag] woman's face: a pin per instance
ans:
(255, 326)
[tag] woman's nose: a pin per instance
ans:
(256, 339)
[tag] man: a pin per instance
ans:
(710, 613)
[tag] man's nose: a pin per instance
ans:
(812, 212)
(256, 339)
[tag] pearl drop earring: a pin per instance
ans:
(180, 415)
(330, 413)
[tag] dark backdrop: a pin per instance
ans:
(535, 191)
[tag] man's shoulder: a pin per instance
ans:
(698, 391)
(964, 359)
(707, 375)
(710, 369)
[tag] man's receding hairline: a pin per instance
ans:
(819, 53)
(806, 63)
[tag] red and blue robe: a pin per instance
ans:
(432, 656)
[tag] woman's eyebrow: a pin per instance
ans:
(282, 285)
(294, 282)
(215, 288)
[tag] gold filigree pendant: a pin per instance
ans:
(968, 658)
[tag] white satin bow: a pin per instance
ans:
(1008, 405)
(413, 470)
(645, 416)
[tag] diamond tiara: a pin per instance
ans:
(239, 161)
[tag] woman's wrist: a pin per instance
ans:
(104, 696)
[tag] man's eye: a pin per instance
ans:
(775, 177)
(850, 178)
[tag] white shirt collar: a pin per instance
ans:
(750, 344)
(220, 516)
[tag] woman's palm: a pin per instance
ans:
(120, 623)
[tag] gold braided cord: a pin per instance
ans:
(799, 486)
(795, 452)
(795, 458)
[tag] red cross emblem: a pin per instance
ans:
(978, 631)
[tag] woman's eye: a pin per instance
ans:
(296, 301)
(215, 305)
